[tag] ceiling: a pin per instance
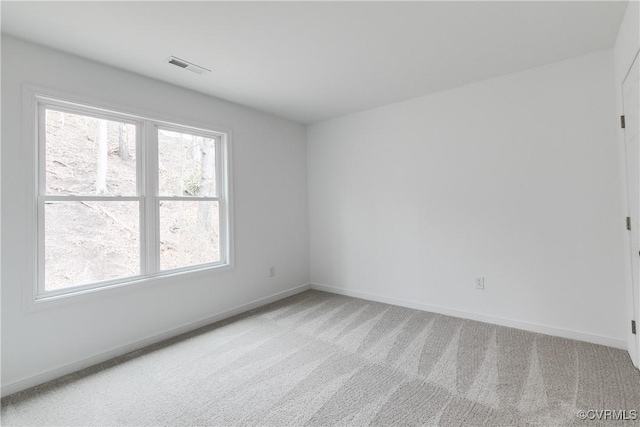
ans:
(310, 61)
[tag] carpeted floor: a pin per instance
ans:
(323, 359)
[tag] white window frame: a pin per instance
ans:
(147, 173)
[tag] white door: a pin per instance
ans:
(630, 93)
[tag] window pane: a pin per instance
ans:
(189, 233)
(87, 242)
(187, 164)
(89, 156)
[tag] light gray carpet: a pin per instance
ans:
(323, 359)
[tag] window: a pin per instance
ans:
(122, 198)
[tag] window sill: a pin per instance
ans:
(43, 302)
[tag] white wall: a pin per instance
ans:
(271, 219)
(625, 51)
(515, 179)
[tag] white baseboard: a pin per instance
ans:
(43, 377)
(531, 327)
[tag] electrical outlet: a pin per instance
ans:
(272, 271)
(480, 283)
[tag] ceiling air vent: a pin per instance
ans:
(187, 65)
